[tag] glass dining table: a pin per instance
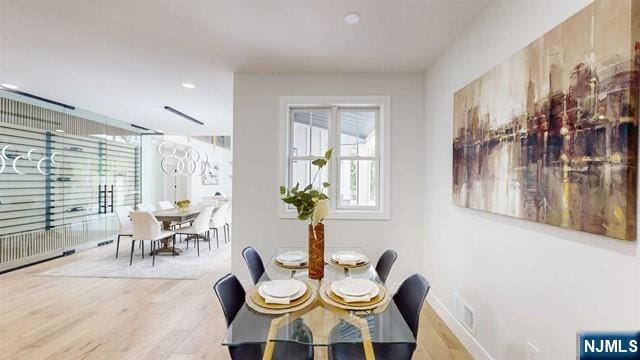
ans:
(319, 324)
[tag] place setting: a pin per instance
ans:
(280, 296)
(292, 260)
(348, 259)
(354, 294)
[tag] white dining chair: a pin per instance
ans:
(124, 223)
(199, 227)
(145, 207)
(218, 221)
(227, 222)
(165, 205)
(147, 228)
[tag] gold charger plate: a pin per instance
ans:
(334, 263)
(375, 300)
(376, 307)
(259, 300)
(294, 267)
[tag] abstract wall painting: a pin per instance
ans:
(551, 134)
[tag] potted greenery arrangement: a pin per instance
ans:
(312, 205)
(183, 204)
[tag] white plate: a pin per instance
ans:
(354, 287)
(292, 257)
(348, 256)
(281, 288)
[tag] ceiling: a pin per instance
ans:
(127, 59)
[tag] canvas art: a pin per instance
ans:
(551, 134)
(211, 175)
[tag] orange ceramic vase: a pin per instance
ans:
(316, 252)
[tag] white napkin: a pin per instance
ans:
(352, 299)
(273, 300)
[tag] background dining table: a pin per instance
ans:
(319, 326)
(177, 216)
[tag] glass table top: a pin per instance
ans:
(320, 326)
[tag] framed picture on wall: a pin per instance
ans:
(211, 175)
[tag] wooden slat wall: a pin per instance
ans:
(90, 153)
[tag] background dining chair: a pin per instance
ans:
(227, 222)
(165, 205)
(409, 299)
(218, 221)
(254, 263)
(124, 223)
(231, 296)
(385, 263)
(145, 207)
(147, 228)
(199, 227)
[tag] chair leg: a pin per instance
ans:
(209, 239)
(197, 245)
(153, 253)
(132, 247)
(174, 245)
(117, 246)
(186, 240)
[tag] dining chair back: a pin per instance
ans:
(145, 225)
(165, 205)
(385, 263)
(201, 223)
(147, 228)
(124, 223)
(254, 263)
(409, 298)
(219, 216)
(230, 295)
(146, 207)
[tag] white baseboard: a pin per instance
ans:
(469, 341)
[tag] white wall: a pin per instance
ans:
(526, 281)
(256, 181)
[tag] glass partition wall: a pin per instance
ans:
(62, 173)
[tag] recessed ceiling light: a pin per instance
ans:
(352, 18)
(188, 85)
(60, 130)
(9, 86)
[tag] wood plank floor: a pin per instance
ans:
(96, 318)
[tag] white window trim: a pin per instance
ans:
(383, 212)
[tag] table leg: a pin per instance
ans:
(167, 248)
(277, 323)
(362, 324)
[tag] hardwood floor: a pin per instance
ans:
(101, 318)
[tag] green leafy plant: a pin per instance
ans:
(306, 200)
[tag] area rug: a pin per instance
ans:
(104, 265)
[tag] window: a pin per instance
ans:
(357, 130)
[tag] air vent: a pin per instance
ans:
(465, 313)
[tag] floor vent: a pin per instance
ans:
(105, 243)
(69, 252)
(465, 313)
